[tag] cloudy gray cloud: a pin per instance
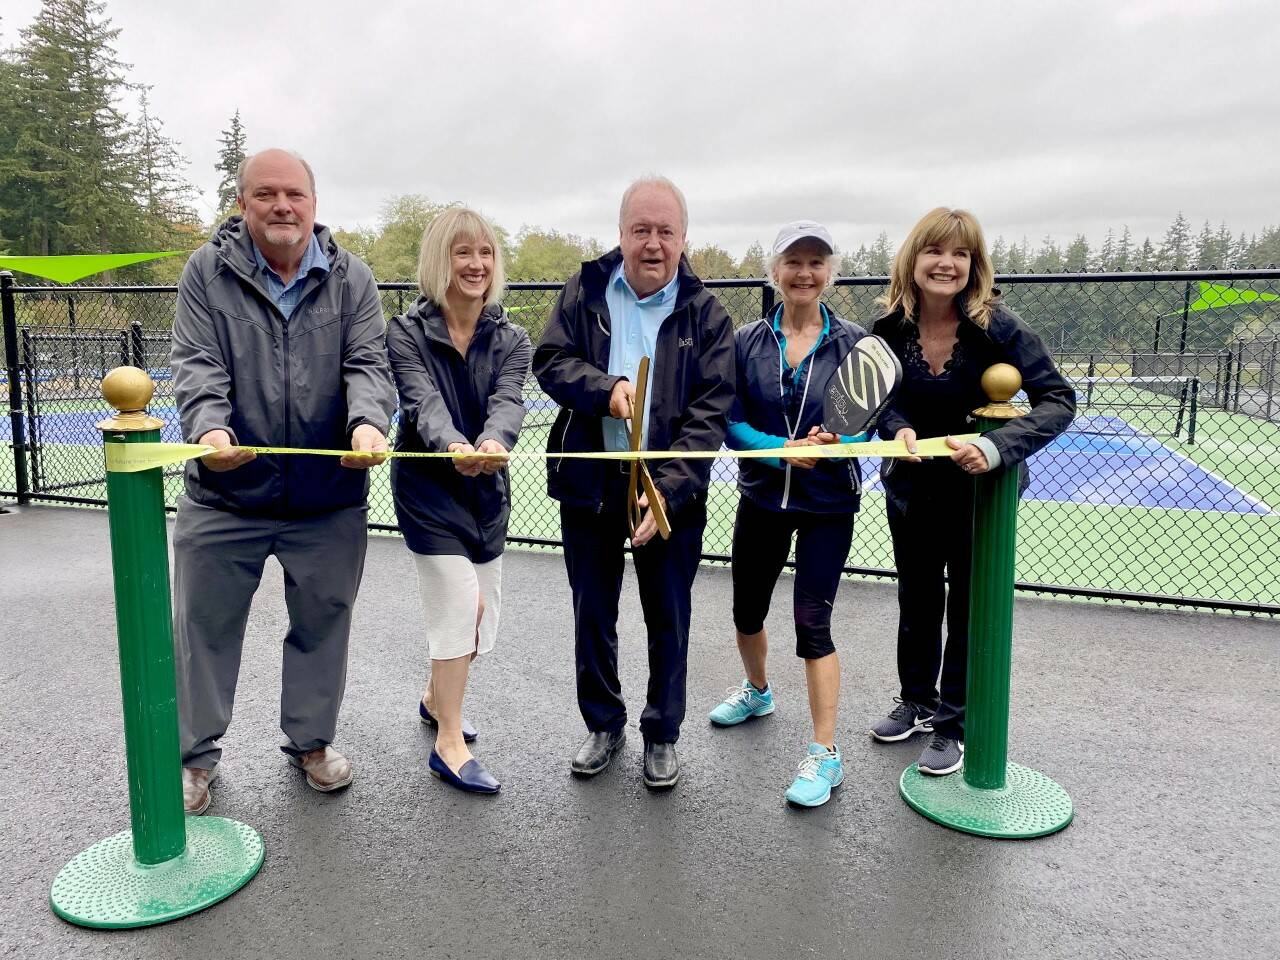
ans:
(1042, 118)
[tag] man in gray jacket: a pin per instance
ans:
(277, 341)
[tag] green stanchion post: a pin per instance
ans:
(993, 797)
(167, 865)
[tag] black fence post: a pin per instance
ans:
(10, 318)
(1191, 414)
(1271, 377)
(766, 299)
(1182, 337)
(137, 348)
(75, 344)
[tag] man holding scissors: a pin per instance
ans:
(639, 300)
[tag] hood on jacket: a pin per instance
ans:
(234, 246)
(427, 312)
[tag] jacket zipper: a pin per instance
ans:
(791, 431)
(564, 436)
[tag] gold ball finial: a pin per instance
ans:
(1001, 381)
(128, 389)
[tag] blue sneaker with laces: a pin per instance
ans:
(821, 771)
(743, 704)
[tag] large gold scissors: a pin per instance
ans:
(640, 478)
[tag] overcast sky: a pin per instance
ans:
(1042, 118)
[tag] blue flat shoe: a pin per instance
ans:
(469, 733)
(473, 777)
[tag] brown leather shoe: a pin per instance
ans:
(326, 769)
(195, 789)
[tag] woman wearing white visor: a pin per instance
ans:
(784, 361)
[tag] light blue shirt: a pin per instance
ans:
(286, 297)
(635, 324)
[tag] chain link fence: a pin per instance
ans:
(1165, 490)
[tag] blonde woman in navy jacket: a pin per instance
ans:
(460, 368)
(783, 364)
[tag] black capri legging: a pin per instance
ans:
(761, 544)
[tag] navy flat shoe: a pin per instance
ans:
(473, 777)
(469, 733)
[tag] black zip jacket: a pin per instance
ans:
(447, 398)
(944, 405)
(308, 381)
(692, 386)
(833, 485)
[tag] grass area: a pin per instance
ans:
(1189, 553)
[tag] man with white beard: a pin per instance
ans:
(277, 341)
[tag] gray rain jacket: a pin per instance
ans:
(308, 381)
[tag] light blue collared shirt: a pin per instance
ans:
(286, 297)
(635, 324)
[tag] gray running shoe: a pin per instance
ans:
(941, 755)
(903, 720)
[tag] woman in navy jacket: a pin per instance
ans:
(946, 324)
(783, 364)
(460, 368)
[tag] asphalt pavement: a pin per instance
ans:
(1161, 726)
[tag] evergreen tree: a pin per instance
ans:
(1240, 252)
(880, 256)
(1123, 258)
(166, 193)
(1048, 257)
(1175, 250)
(1076, 258)
(1264, 251)
(230, 155)
(73, 170)
(1146, 258)
(855, 264)
(999, 254)
(1225, 247)
(1107, 255)
(1016, 260)
(1206, 249)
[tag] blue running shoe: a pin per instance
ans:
(743, 704)
(820, 773)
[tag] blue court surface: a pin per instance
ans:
(1102, 460)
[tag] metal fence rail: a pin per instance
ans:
(1166, 490)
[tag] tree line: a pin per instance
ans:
(80, 173)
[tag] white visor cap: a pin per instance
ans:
(801, 230)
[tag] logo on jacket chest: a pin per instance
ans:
(685, 342)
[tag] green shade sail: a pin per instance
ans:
(69, 269)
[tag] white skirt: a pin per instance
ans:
(451, 588)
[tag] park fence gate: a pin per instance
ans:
(1166, 489)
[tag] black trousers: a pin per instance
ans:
(933, 538)
(593, 556)
(761, 545)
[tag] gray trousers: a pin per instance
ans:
(218, 563)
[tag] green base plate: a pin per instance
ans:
(1029, 805)
(106, 887)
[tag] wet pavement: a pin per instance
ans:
(1161, 725)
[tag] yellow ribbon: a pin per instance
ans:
(133, 457)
